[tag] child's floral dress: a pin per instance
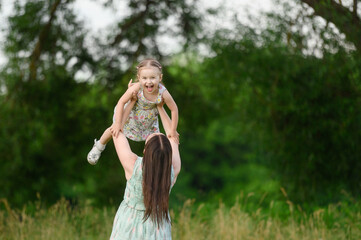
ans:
(143, 119)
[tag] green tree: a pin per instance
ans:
(267, 102)
(346, 18)
(49, 115)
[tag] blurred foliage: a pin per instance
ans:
(266, 103)
(259, 112)
(297, 115)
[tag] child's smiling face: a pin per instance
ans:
(150, 77)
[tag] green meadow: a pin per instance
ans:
(279, 220)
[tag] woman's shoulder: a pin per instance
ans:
(137, 169)
(139, 160)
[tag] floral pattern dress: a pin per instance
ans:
(143, 119)
(128, 222)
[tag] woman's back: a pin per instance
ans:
(128, 222)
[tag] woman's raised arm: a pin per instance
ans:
(126, 157)
(167, 123)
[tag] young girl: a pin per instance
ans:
(143, 118)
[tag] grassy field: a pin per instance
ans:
(191, 221)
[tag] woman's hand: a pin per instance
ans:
(134, 97)
(115, 129)
(160, 105)
(174, 135)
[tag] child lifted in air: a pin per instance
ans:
(143, 117)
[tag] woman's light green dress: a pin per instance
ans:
(128, 222)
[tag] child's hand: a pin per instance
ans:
(134, 95)
(115, 129)
(174, 135)
(130, 83)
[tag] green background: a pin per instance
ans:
(264, 109)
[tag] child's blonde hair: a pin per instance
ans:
(149, 62)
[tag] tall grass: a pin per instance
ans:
(61, 221)
(235, 223)
(64, 221)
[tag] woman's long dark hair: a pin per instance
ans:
(157, 166)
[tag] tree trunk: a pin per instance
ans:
(35, 55)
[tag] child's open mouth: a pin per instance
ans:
(149, 88)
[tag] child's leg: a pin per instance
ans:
(99, 146)
(106, 136)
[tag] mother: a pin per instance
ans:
(144, 212)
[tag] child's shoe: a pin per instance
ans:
(95, 152)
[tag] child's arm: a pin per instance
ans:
(176, 159)
(127, 110)
(174, 113)
(129, 106)
(116, 127)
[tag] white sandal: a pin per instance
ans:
(95, 152)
